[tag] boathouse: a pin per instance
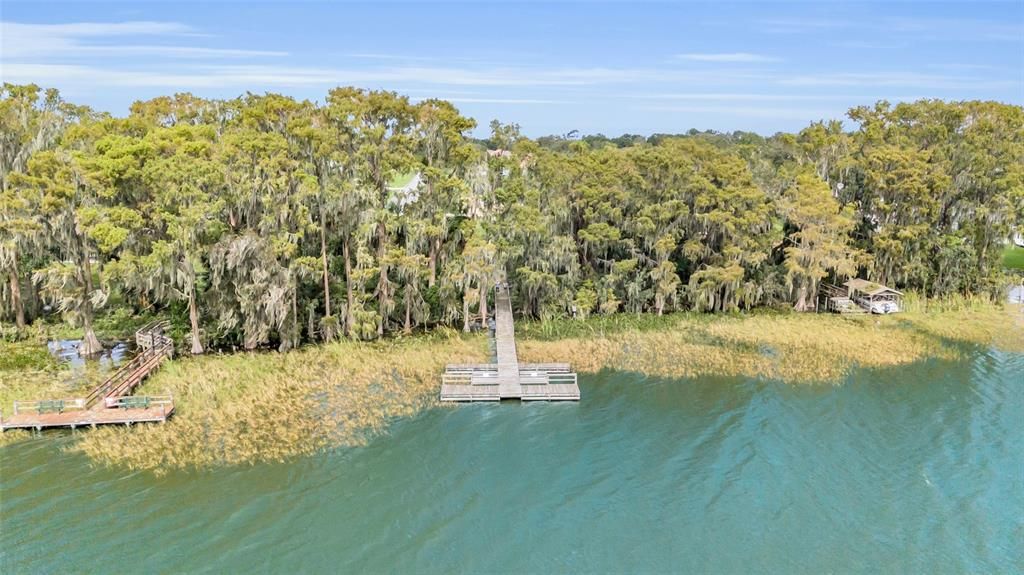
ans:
(874, 297)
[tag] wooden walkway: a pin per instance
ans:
(507, 378)
(110, 402)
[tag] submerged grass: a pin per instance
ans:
(246, 408)
(253, 407)
(806, 348)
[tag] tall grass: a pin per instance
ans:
(253, 407)
(28, 371)
(805, 348)
(246, 408)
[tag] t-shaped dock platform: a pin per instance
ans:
(507, 378)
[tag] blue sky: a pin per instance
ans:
(595, 67)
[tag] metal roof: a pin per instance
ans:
(869, 287)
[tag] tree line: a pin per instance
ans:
(267, 221)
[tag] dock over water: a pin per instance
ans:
(112, 401)
(506, 378)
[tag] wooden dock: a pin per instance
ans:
(506, 378)
(110, 402)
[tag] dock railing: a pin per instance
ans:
(131, 374)
(542, 378)
(49, 405)
(144, 402)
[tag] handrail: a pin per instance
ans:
(154, 400)
(116, 389)
(160, 346)
(127, 370)
(69, 404)
(457, 378)
(124, 387)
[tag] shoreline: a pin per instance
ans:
(247, 408)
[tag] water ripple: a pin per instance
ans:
(912, 469)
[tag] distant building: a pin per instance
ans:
(401, 196)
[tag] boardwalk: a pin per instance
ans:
(507, 378)
(110, 402)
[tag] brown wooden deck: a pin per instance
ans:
(89, 417)
(507, 378)
(110, 402)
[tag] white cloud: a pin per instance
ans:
(784, 113)
(99, 29)
(958, 28)
(918, 28)
(475, 100)
(252, 76)
(89, 39)
(162, 56)
(259, 76)
(728, 57)
(903, 79)
(733, 97)
(801, 25)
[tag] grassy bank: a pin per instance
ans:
(270, 406)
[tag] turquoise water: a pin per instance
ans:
(918, 469)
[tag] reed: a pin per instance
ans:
(28, 371)
(252, 407)
(797, 348)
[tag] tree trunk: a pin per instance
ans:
(16, 303)
(193, 317)
(295, 314)
(465, 308)
(408, 313)
(323, 256)
(383, 288)
(801, 299)
(483, 303)
(90, 343)
(434, 248)
(350, 297)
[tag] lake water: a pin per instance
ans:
(66, 351)
(918, 469)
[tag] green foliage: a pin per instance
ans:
(24, 356)
(265, 221)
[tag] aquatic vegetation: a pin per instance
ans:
(251, 407)
(791, 347)
(28, 371)
(24, 355)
